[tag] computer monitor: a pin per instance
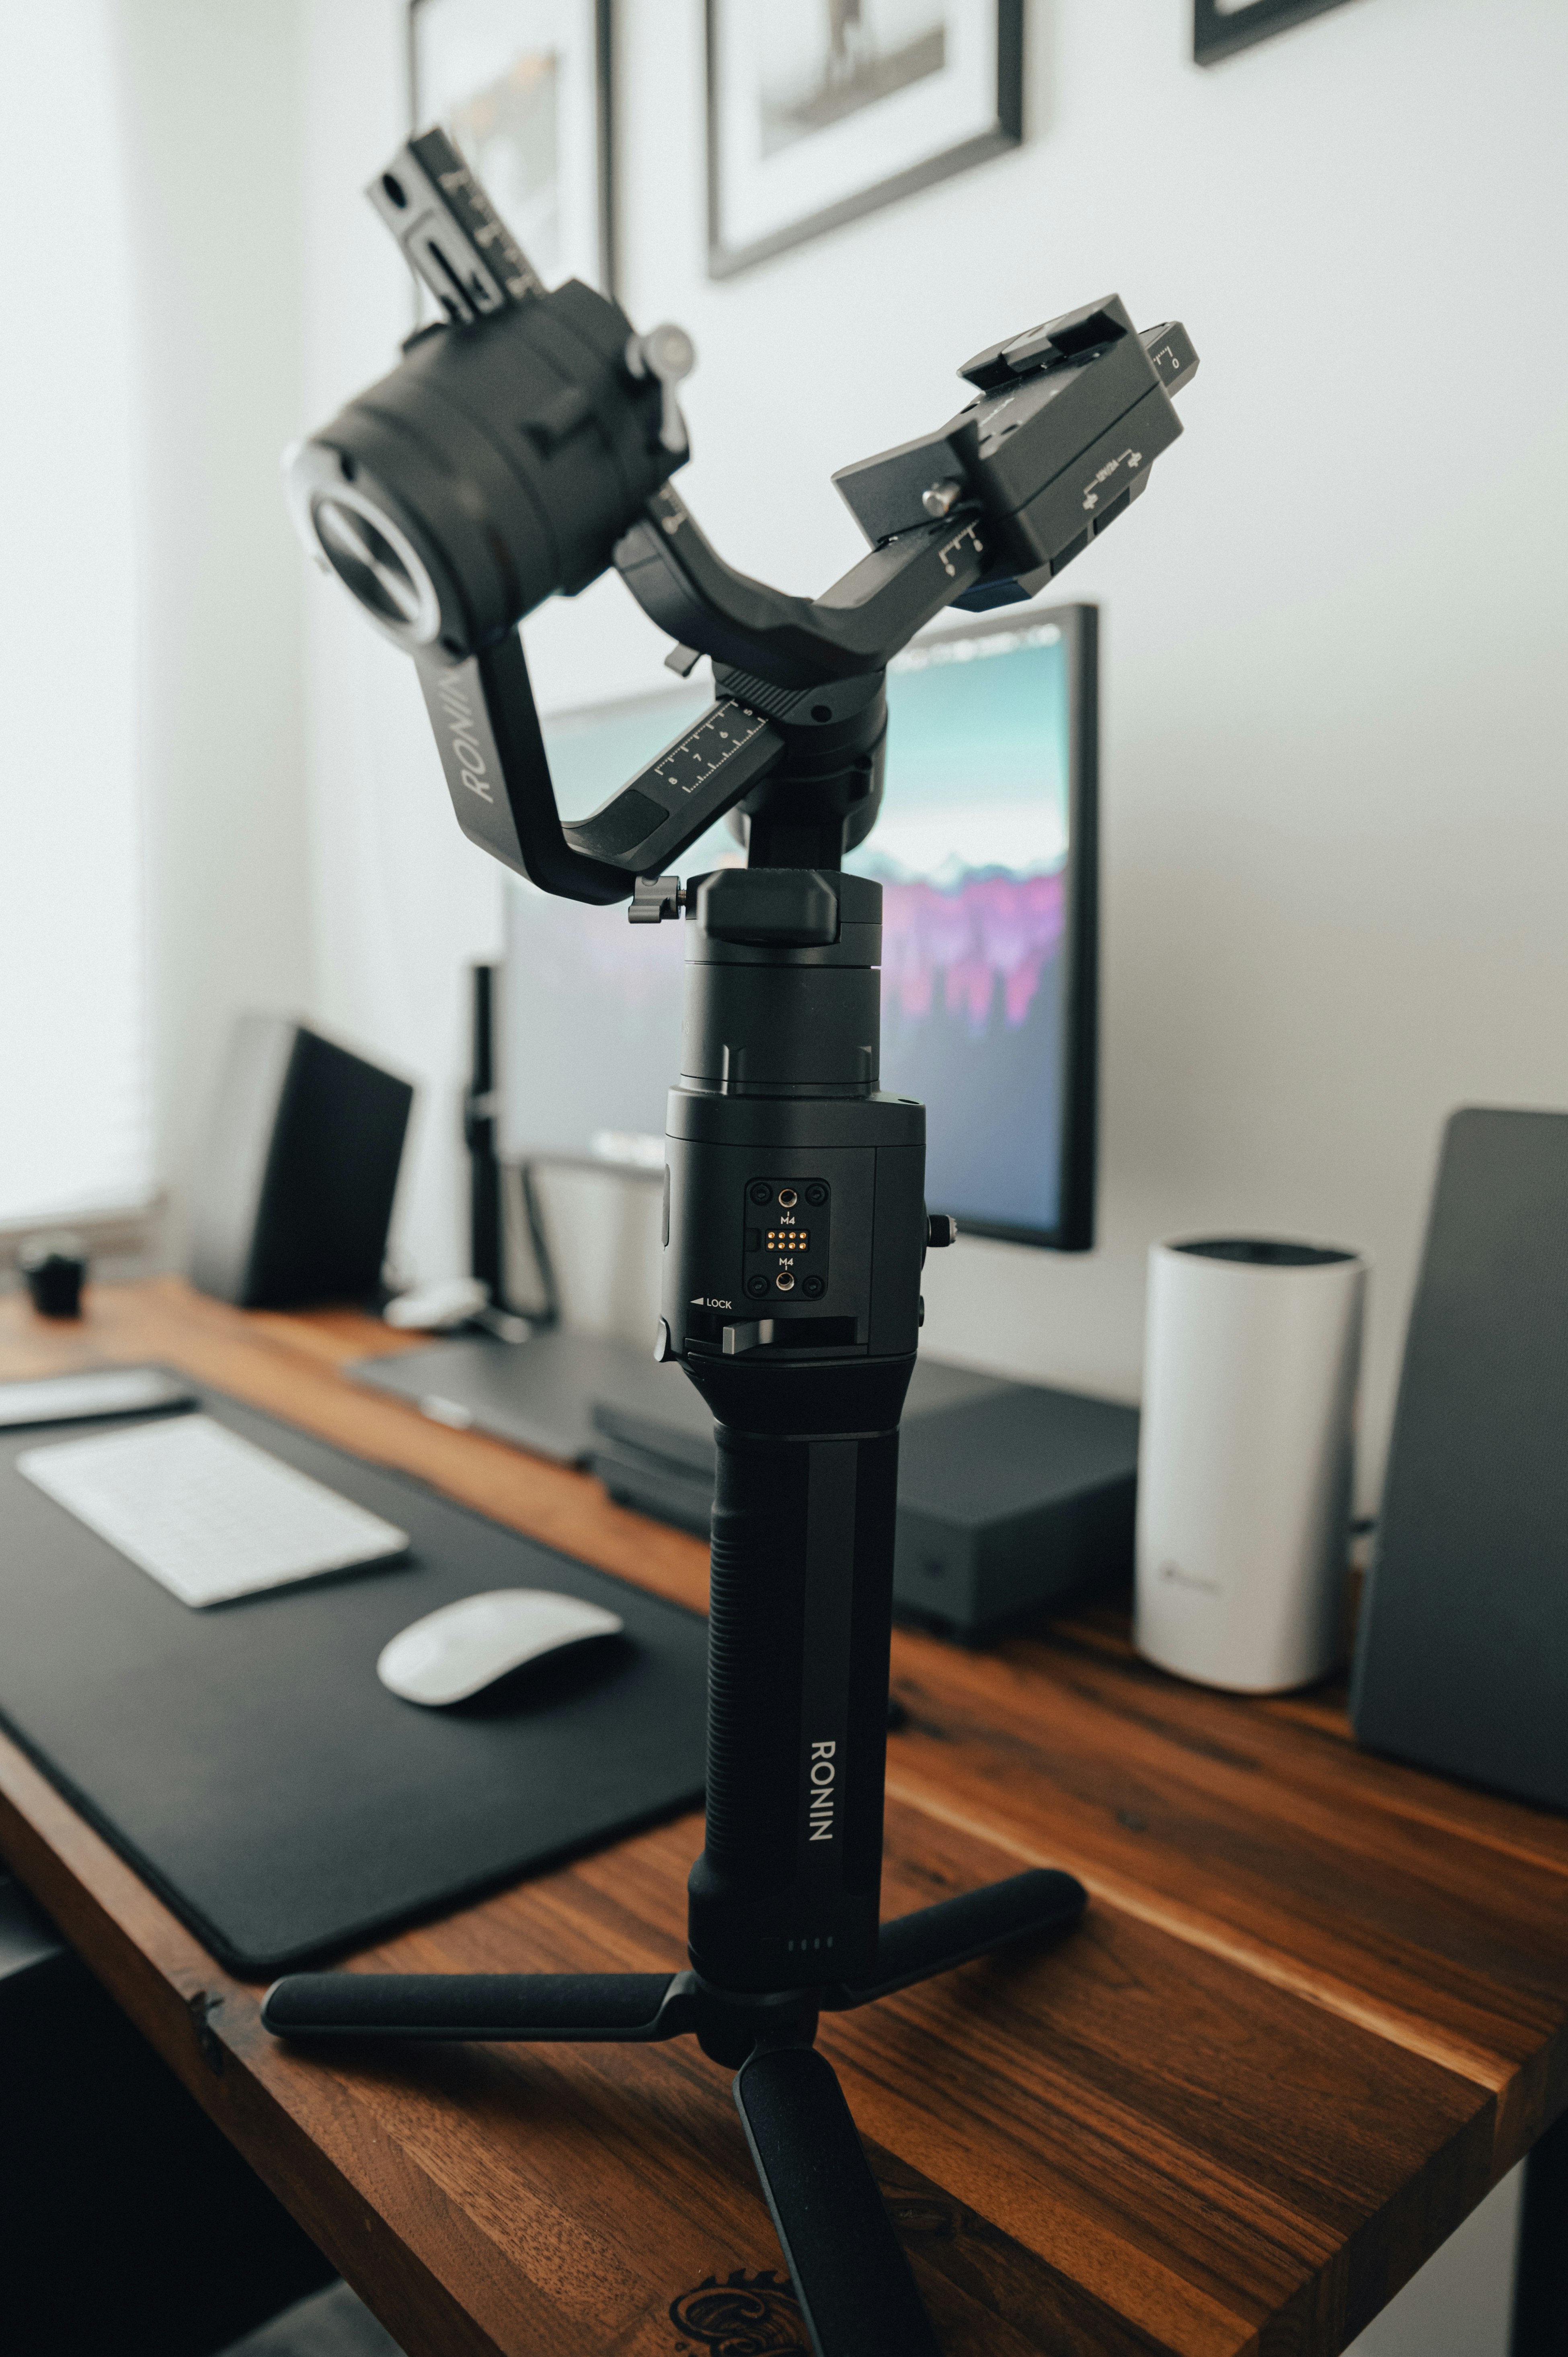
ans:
(985, 851)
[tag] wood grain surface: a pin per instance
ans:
(1318, 2006)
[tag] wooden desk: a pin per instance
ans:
(1318, 2006)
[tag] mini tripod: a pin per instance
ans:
(519, 448)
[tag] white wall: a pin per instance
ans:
(1334, 832)
(211, 100)
(75, 1133)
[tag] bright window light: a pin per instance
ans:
(75, 1130)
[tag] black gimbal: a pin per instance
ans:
(522, 446)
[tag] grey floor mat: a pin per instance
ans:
(330, 2323)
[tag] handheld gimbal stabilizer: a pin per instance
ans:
(523, 446)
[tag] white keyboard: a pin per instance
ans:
(206, 1513)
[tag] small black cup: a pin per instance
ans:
(55, 1266)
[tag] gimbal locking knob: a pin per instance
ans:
(667, 353)
(942, 499)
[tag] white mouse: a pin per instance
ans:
(460, 1648)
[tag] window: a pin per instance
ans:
(75, 1096)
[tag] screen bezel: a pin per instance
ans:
(1074, 1228)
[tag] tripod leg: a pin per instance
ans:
(597, 2007)
(846, 2264)
(934, 1939)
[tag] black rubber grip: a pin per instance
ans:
(800, 1601)
(487, 2006)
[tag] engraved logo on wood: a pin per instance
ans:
(744, 2316)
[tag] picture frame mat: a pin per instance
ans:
(459, 48)
(747, 225)
(891, 137)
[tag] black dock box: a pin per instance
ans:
(1012, 1502)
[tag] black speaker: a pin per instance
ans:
(296, 1191)
(1462, 1655)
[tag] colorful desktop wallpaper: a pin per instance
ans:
(970, 849)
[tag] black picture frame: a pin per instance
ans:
(1219, 32)
(604, 118)
(726, 257)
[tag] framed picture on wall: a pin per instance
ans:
(822, 110)
(1222, 26)
(523, 89)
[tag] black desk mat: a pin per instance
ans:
(248, 1764)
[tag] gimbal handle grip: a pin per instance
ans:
(797, 1649)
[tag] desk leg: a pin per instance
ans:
(1541, 2275)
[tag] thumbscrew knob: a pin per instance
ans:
(668, 354)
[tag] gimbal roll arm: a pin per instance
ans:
(827, 739)
(497, 773)
(783, 658)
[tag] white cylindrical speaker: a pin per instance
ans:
(1252, 1354)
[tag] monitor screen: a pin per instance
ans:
(984, 848)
